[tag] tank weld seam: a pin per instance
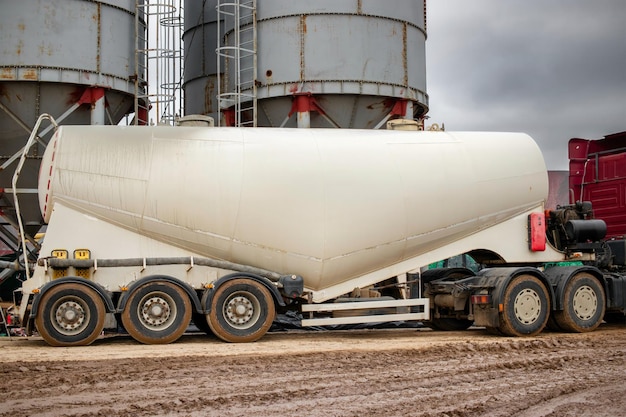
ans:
(40, 67)
(415, 92)
(281, 251)
(112, 6)
(515, 212)
(393, 19)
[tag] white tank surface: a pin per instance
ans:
(326, 204)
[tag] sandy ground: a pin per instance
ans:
(399, 372)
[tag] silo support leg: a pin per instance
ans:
(94, 96)
(303, 104)
(40, 135)
(402, 108)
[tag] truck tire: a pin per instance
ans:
(70, 315)
(242, 310)
(526, 307)
(157, 312)
(583, 304)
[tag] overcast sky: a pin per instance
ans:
(555, 69)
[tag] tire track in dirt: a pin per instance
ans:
(552, 375)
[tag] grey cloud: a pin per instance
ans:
(554, 69)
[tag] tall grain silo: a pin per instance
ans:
(73, 59)
(324, 63)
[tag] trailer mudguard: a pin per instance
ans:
(499, 278)
(616, 296)
(559, 276)
(496, 280)
(207, 297)
(104, 294)
(193, 296)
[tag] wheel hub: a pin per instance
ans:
(585, 303)
(527, 306)
(155, 311)
(239, 310)
(69, 316)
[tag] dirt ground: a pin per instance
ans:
(398, 372)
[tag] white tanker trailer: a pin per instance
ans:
(152, 227)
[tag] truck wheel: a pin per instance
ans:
(242, 310)
(526, 307)
(70, 315)
(583, 304)
(157, 313)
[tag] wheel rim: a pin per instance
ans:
(70, 315)
(157, 311)
(585, 302)
(242, 310)
(527, 306)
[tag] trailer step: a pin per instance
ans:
(329, 307)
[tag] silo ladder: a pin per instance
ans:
(238, 103)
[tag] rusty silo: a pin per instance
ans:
(327, 63)
(72, 59)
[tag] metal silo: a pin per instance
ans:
(327, 63)
(200, 40)
(73, 59)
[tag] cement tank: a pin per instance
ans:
(350, 64)
(326, 204)
(61, 57)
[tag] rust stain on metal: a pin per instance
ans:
(405, 65)
(29, 74)
(74, 96)
(7, 74)
(209, 92)
(359, 7)
(302, 33)
(99, 25)
(21, 26)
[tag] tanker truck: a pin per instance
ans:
(150, 229)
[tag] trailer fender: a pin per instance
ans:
(498, 280)
(207, 297)
(193, 295)
(104, 294)
(559, 276)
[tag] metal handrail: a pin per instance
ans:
(16, 174)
